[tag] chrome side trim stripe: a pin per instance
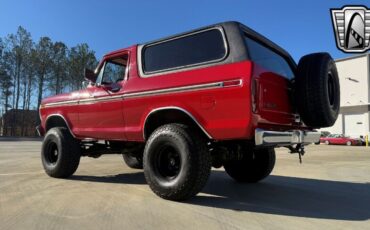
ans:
(176, 89)
(101, 99)
(181, 89)
(70, 102)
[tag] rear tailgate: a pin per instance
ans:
(274, 100)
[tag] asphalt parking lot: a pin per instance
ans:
(330, 190)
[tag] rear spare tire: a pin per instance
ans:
(317, 92)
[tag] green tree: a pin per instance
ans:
(80, 57)
(5, 87)
(42, 64)
(5, 94)
(17, 48)
(31, 77)
(1, 49)
(59, 68)
(29, 71)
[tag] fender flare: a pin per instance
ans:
(174, 108)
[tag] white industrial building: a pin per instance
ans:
(354, 78)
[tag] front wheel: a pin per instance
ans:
(349, 143)
(60, 153)
(255, 165)
(177, 163)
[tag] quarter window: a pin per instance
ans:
(189, 50)
(268, 59)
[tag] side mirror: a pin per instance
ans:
(90, 75)
(85, 84)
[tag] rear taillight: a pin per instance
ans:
(254, 95)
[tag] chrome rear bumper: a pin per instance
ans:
(287, 138)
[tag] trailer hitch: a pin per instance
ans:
(299, 148)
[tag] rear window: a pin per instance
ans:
(189, 50)
(268, 59)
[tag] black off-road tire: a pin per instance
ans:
(256, 165)
(188, 151)
(317, 92)
(132, 161)
(60, 153)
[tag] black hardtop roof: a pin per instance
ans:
(242, 28)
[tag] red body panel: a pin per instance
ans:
(225, 112)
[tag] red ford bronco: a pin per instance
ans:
(222, 95)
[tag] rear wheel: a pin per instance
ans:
(60, 153)
(349, 143)
(255, 165)
(133, 161)
(327, 142)
(177, 163)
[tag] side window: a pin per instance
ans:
(184, 51)
(114, 70)
(268, 59)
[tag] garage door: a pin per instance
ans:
(354, 125)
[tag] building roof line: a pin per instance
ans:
(366, 104)
(352, 57)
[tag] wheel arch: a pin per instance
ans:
(57, 120)
(170, 114)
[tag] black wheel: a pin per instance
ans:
(255, 165)
(60, 153)
(177, 163)
(317, 92)
(133, 161)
